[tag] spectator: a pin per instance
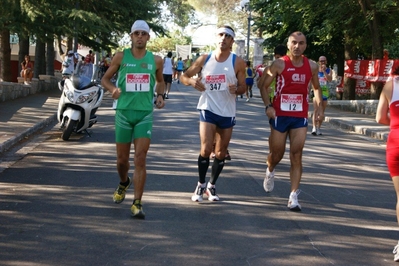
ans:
(27, 70)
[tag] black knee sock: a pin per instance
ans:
(217, 168)
(203, 164)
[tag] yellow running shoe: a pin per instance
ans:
(137, 210)
(120, 192)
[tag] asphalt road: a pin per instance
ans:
(56, 203)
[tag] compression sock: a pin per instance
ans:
(217, 168)
(203, 164)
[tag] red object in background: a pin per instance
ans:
(371, 70)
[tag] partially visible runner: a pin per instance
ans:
(222, 78)
(325, 76)
(139, 72)
(249, 80)
(388, 114)
(167, 73)
(289, 111)
(179, 68)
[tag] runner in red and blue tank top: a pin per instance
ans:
(289, 111)
(388, 114)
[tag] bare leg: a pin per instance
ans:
(297, 141)
(141, 147)
(122, 161)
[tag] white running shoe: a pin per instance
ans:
(318, 132)
(314, 132)
(211, 192)
(268, 183)
(293, 203)
(198, 193)
(396, 253)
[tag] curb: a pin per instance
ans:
(14, 140)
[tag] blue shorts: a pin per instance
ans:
(249, 81)
(285, 123)
(220, 121)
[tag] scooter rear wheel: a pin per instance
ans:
(70, 126)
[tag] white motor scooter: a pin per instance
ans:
(78, 103)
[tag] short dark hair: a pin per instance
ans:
(169, 54)
(280, 49)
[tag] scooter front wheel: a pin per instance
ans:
(70, 126)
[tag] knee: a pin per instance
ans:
(140, 159)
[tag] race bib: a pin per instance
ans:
(216, 82)
(136, 82)
(292, 102)
(323, 81)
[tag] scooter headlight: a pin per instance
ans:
(68, 94)
(86, 97)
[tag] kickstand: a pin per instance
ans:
(87, 132)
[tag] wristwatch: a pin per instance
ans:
(270, 105)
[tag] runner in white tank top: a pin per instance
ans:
(223, 77)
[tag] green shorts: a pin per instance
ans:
(131, 124)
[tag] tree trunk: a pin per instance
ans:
(374, 25)
(5, 55)
(50, 57)
(40, 58)
(349, 84)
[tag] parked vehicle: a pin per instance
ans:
(78, 103)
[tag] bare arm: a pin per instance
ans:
(241, 86)
(113, 68)
(382, 114)
(160, 84)
(269, 74)
(318, 112)
(194, 69)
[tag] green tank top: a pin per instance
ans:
(136, 79)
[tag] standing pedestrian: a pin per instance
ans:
(139, 71)
(289, 111)
(325, 76)
(222, 78)
(179, 68)
(388, 114)
(249, 80)
(167, 73)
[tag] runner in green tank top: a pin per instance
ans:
(138, 71)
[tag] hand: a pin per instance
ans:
(319, 114)
(159, 102)
(197, 84)
(233, 88)
(270, 112)
(116, 93)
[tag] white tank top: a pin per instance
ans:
(167, 66)
(217, 76)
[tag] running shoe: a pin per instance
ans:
(293, 203)
(137, 210)
(396, 253)
(211, 192)
(268, 182)
(120, 192)
(314, 131)
(318, 132)
(227, 157)
(198, 193)
(247, 100)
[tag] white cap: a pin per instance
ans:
(70, 52)
(140, 25)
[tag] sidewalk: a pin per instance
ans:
(24, 116)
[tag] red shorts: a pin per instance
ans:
(392, 155)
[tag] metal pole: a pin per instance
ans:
(248, 33)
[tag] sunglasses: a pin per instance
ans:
(224, 34)
(138, 33)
